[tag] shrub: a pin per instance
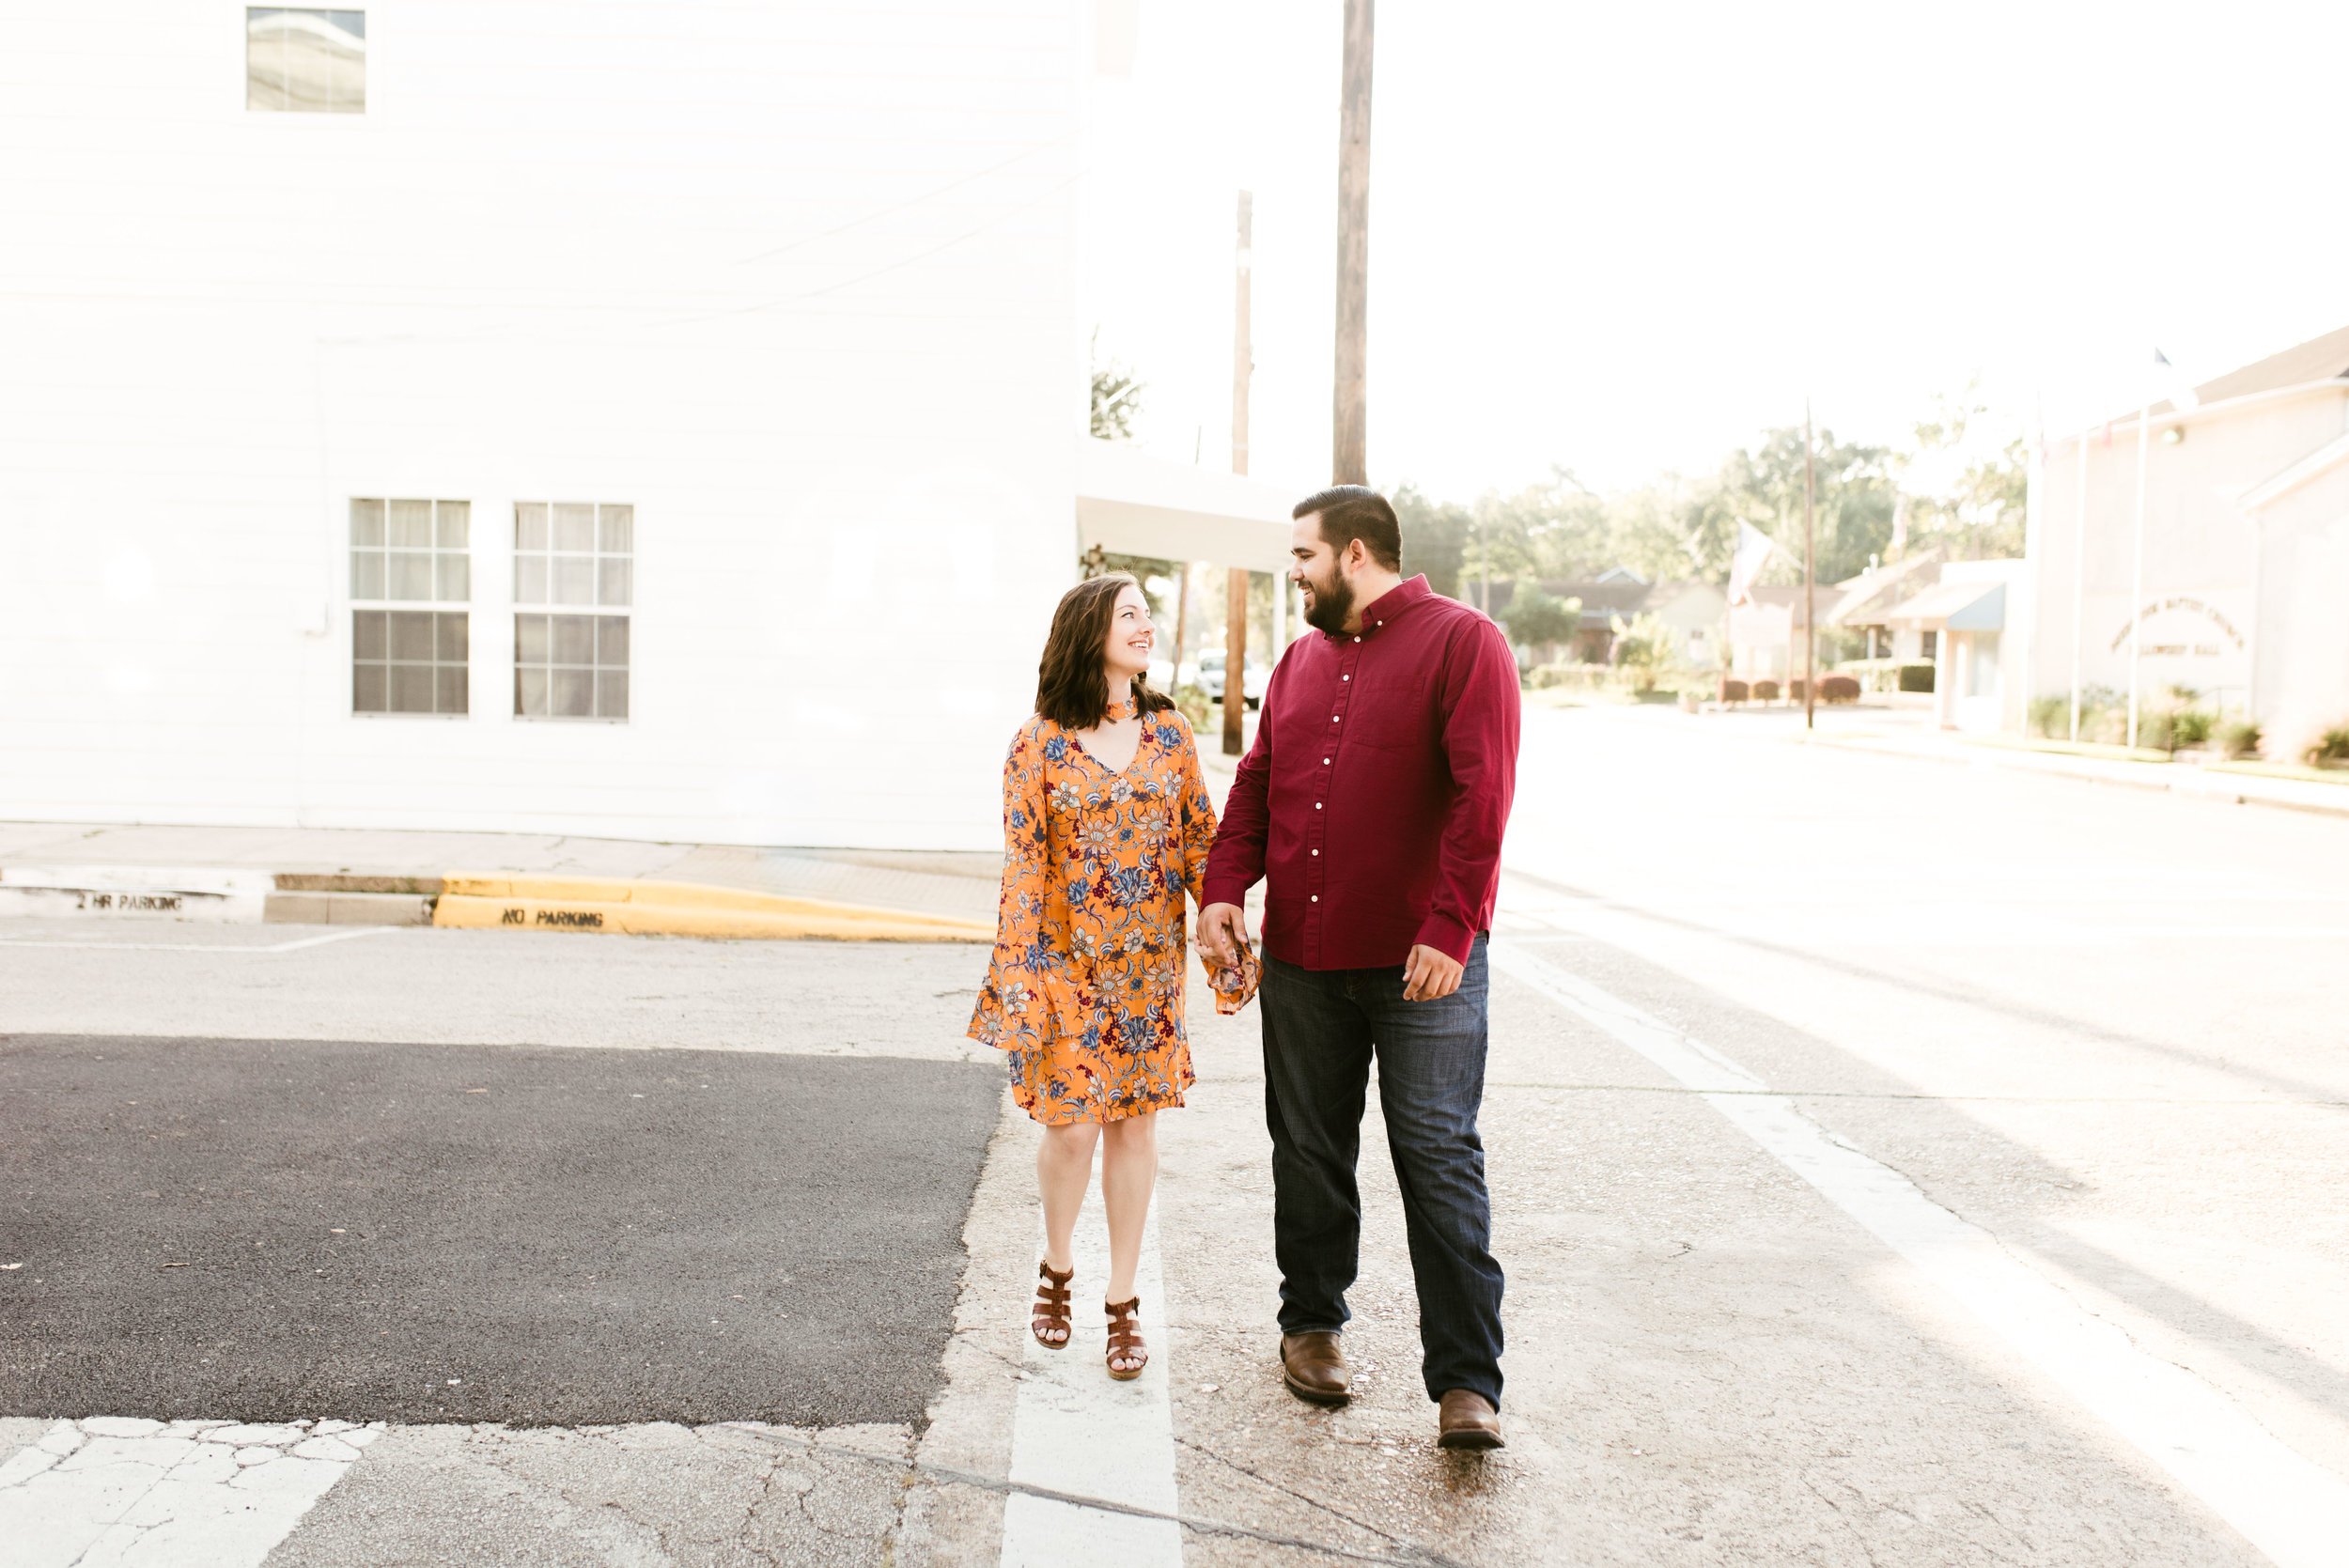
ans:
(2330, 747)
(2154, 731)
(2052, 717)
(1916, 677)
(1734, 692)
(2191, 726)
(1838, 688)
(2240, 738)
(1766, 690)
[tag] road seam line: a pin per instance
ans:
(2291, 1508)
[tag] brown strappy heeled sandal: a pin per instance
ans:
(1051, 1307)
(1126, 1338)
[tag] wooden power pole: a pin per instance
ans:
(1809, 633)
(1351, 424)
(1235, 578)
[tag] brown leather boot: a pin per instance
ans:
(1313, 1367)
(1467, 1420)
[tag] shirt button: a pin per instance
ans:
(1316, 851)
(1316, 805)
(1358, 639)
(1345, 678)
(1316, 898)
(1324, 762)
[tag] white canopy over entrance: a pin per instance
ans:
(1132, 503)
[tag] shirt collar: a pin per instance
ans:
(1396, 601)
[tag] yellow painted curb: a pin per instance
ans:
(476, 901)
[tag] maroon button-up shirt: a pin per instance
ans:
(1374, 800)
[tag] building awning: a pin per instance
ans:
(1134, 503)
(1958, 606)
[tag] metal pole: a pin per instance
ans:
(1234, 656)
(2137, 576)
(1350, 417)
(1810, 633)
(2079, 578)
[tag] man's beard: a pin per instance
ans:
(1332, 602)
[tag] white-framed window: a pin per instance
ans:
(312, 61)
(409, 559)
(577, 560)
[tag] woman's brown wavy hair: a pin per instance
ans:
(1072, 683)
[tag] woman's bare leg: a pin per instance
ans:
(1064, 1168)
(1130, 1169)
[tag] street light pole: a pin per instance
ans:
(1350, 415)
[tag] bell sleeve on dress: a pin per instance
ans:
(1030, 996)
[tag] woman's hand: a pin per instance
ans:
(1223, 931)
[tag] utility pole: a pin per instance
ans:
(1235, 578)
(1182, 625)
(1350, 413)
(2079, 577)
(2137, 573)
(1810, 633)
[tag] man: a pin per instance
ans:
(1372, 804)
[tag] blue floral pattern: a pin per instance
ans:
(1085, 993)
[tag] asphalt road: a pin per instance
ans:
(2094, 1035)
(528, 1235)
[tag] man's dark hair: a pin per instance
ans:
(1351, 512)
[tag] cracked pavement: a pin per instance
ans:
(2101, 1027)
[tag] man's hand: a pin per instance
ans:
(1427, 974)
(1223, 931)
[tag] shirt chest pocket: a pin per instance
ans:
(1391, 718)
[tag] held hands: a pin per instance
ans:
(1223, 931)
(1428, 974)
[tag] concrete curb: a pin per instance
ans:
(478, 901)
(2213, 783)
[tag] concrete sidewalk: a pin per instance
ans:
(373, 876)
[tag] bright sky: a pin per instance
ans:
(1627, 238)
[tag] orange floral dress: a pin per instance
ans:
(1087, 986)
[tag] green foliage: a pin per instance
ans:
(2050, 717)
(1838, 688)
(1974, 511)
(1764, 690)
(1737, 691)
(1435, 537)
(2240, 738)
(1536, 618)
(2332, 746)
(1916, 677)
(1643, 650)
(1116, 399)
(2192, 726)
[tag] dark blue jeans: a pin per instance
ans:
(1321, 1028)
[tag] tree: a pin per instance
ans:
(1116, 399)
(1436, 537)
(1964, 494)
(1537, 620)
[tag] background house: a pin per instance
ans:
(2245, 548)
(431, 417)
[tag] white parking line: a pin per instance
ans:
(1076, 1430)
(294, 946)
(2294, 1511)
(115, 1490)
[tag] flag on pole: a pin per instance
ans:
(1753, 552)
(2181, 391)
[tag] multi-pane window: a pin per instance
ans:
(305, 60)
(406, 557)
(578, 559)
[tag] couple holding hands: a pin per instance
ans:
(1371, 804)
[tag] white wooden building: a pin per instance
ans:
(651, 420)
(2245, 548)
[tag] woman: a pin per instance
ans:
(1106, 826)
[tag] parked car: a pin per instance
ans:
(1251, 680)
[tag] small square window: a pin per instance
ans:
(307, 61)
(407, 661)
(570, 666)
